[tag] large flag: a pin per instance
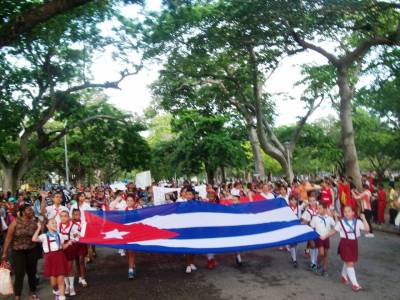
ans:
(197, 227)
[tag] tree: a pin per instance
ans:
(45, 75)
(20, 17)
(219, 55)
(355, 27)
(378, 143)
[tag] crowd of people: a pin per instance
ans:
(48, 224)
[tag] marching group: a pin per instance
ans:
(49, 224)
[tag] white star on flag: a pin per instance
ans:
(114, 234)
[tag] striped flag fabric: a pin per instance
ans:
(197, 227)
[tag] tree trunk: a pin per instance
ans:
(352, 167)
(257, 155)
(210, 176)
(10, 180)
(223, 176)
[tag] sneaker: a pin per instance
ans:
(238, 260)
(313, 267)
(131, 274)
(193, 267)
(211, 264)
(356, 288)
(83, 282)
(56, 293)
(188, 270)
(320, 271)
(295, 264)
(72, 291)
(344, 279)
(369, 235)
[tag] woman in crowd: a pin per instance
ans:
(24, 251)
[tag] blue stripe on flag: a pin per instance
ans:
(312, 235)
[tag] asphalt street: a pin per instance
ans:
(265, 274)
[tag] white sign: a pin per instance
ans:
(143, 179)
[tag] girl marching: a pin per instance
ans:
(55, 263)
(131, 205)
(349, 229)
(81, 249)
(70, 233)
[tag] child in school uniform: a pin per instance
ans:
(296, 208)
(132, 204)
(309, 213)
(322, 224)
(56, 266)
(349, 229)
(81, 249)
(69, 233)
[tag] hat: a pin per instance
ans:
(12, 199)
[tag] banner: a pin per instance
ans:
(198, 227)
(159, 194)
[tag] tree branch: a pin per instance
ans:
(301, 123)
(104, 85)
(34, 16)
(306, 45)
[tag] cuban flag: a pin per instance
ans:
(197, 227)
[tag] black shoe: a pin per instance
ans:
(238, 262)
(295, 264)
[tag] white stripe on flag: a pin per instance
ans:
(237, 241)
(213, 219)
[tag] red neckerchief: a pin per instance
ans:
(78, 224)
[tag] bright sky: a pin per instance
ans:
(135, 94)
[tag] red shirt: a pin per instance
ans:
(326, 196)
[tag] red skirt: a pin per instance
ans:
(322, 243)
(56, 264)
(348, 250)
(71, 252)
(82, 249)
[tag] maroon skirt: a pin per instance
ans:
(348, 250)
(71, 252)
(322, 243)
(82, 249)
(56, 264)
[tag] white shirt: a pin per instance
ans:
(349, 227)
(297, 210)
(268, 196)
(69, 232)
(118, 205)
(52, 241)
(54, 212)
(309, 214)
(322, 224)
(82, 208)
(181, 200)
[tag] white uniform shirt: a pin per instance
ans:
(268, 196)
(349, 227)
(118, 205)
(322, 224)
(69, 232)
(82, 208)
(309, 214)
(50, 242)
(54, 212)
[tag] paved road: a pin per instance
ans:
(266, 274)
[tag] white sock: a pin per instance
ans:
(239, 258)
(344, 270)
(66, 282)
(210, 256)
(293, 253)
(61, 298)
(130, 270)
(352, 275)
(314, 256)
(71, 281)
